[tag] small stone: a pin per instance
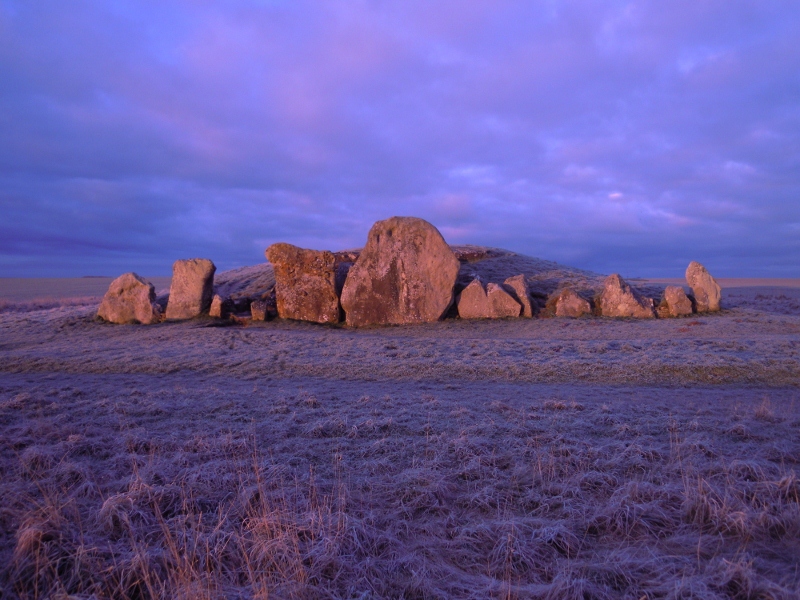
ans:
(221, 307)
(130, 299)
(705, 288)
(472, 302)
(493, 303)
(191, 289)
(518, 288)
(618, 299)
(674, 302)
(502, 304)
(567, 303)
(258, 310)
(305, 283)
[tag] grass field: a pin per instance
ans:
(542, 458)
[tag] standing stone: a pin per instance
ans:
(405, 274)
(472, 302)
(567, 303)
(705, 288)
(518, 288)
(130, 299)
(221, 308)
(305, 283)
(618, 299)
(191, 289)
(258, 310)
(674, 302)
(493, 303)
(502, 304)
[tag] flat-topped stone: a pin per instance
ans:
(191, 289)
(305, 283)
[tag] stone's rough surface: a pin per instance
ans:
(492, 303)
(501, 304)
(675, 302)
(518, 288)
(130, 299)
(472, 302)
(618, 299)
(258, 310)
(305, 283)
(191, 289)
(405, 274)
(567, 303)
(705, 288)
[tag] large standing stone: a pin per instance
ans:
(567, 303)
(405, 274)
(518, 288)
(674, 302)
(305, 283)
(492, 303)
(705, 288)
(130, 299)
(191, 289)
(618, 299)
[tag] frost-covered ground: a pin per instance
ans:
(540, 458)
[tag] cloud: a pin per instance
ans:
(610, 135)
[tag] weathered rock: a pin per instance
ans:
(405, 274)
(501, 303)
(221, 307)
(258, 310)
(567, 303)
(305, 283)
(492, 303)
(191, 289)
(472, 302)
(674, 303)
(705, 288)
(518, 288)
(618, 299)
(130, 299)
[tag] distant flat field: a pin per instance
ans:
(731, 282)
(25, 289)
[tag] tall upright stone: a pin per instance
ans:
(191, 289)
(618, 299)
(305, 283)
(130, 299)
(405, 274)
(518, 288)
(705, 288)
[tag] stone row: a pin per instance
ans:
(406, 273)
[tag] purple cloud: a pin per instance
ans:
(615, 136)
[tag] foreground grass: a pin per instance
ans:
(176, 487)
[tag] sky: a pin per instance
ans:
(628, 137)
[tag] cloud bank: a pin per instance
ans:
(615, 136)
